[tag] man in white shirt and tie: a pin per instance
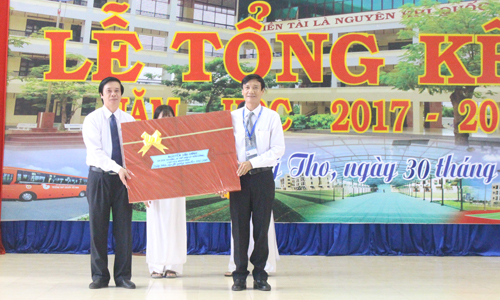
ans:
(107, 188)
(260, 142)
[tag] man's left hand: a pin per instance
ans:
(124, 176)
(244, 167)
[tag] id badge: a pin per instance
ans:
(251, 152)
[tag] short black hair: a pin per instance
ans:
(251, 77)
(165, 109)
(242, 103)
(109, 79)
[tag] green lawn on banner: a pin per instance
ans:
(469, 206)
(207, 208)
(138, 215)
(492, 216)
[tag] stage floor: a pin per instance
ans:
(54, 277)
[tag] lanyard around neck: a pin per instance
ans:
(250, 134)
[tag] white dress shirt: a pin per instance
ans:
(97, 138)
(268, 135)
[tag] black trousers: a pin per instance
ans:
(106, 193)
(254, 200)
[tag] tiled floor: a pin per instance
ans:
(54, 277)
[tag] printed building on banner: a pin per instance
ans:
(495, 194)
(156, 22)
(434, 186)
(315, 183)
(304, 183)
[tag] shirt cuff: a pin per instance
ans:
(116, 168)
(255, 162)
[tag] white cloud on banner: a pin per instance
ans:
(491, 157)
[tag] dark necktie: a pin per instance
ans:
(116, 153)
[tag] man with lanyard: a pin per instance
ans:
(107, 188)
(260, 142)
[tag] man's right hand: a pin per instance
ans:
(124, 176)
(244, 167)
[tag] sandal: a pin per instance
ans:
(170, 274)
(228, 274)
(156, 275)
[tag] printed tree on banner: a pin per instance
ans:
(17, 42)
(66, 92)
(210, 93)
(429, 18)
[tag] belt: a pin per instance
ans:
(259, 170)
(99, 170)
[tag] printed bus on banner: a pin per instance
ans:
(28, 185)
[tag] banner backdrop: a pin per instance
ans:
(4, 36)
(386, 119)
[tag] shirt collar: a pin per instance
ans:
(108, 113)
(256, 111)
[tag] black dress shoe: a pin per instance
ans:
(125, 283)
(98, 285)
(261, 285)
(239, 285)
